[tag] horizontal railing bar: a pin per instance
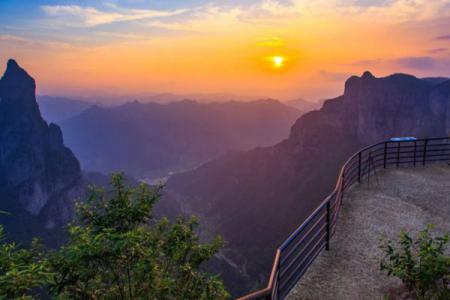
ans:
(439, 159)
(300, 264)
(304, 224)
(284, 258)
(305, 268)
(286, 269)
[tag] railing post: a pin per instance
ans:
(359, 167)
(398, 154)
(385, 155)
(327, 246)
(425, 152)
(415, 153)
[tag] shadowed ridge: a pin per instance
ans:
(37, 172)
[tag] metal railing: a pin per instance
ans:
(299, 250)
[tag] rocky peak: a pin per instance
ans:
(35, 166)
(367, 75)
(17, 87)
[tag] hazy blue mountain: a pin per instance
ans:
(151, 139)
(56, 109)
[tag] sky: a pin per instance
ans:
(283, 49)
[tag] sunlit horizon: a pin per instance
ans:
(93, 48)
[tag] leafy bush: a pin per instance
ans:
(421, 263)
(117, 250)
(22, 271)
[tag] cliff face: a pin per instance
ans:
(256, 198)
(38, 174)
(397, 105)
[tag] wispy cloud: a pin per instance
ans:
(270, 10)
(443, 37)
(85, 16)
(437, 50)
(30, 42)
(416, 63)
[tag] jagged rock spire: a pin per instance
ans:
(35, 166)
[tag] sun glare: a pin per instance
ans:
(278, 61)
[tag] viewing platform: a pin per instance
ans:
(394, 199)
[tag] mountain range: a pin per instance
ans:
(250, 185)
(256, 198)
(151, 140)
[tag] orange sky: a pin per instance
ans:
(121, 50)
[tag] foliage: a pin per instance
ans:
(115, 250)
(22, 271)
(422, 263)
(119, 251)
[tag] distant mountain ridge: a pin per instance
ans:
(57, 109)
(151, 139)
(256, 198)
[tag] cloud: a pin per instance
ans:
(223, 17)
(269, 10)
(437, 50)
(86, 16)
(417, 63)
(385, 11)
(19, 41)
(371, 3)
(443, 37)
(364, 63)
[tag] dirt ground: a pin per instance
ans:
(406, 199)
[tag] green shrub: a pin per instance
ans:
(421, 263)
(116, 250)
(22, 271)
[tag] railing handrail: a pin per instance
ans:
(270, 292)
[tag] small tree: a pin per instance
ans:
(119, 251)
(22, 271)
(420, 263)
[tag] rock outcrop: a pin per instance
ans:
(39, 176)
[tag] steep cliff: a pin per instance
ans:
(39, 176)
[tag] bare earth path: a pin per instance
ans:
(408, 199)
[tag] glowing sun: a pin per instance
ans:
(278, 61)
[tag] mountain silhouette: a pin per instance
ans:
(38, 174)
